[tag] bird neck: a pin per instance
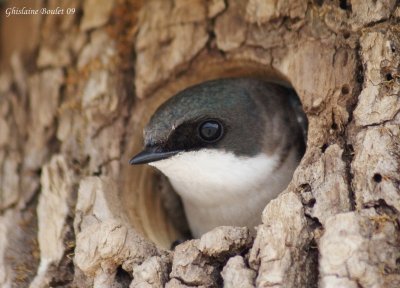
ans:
(220, 188)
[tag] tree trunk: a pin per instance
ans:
(77, 89)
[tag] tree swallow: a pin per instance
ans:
(228, 147)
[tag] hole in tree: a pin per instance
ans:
(346, 34)
(377, 177)
(150, 179)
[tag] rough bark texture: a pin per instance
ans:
(76, 90)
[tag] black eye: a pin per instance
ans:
(210, 131)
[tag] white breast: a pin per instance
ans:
(218, 188)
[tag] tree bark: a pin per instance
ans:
(76, 91)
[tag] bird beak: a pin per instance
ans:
(151, 155)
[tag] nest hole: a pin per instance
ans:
(152, 205)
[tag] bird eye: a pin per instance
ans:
(210, 131)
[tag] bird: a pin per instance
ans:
(228, 147)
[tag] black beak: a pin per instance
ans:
(151, 155)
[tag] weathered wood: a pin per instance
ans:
(74, 100)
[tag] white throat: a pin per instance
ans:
(219, 188)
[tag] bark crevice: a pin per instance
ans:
(76, 94)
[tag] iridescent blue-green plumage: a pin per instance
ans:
(242, 102)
